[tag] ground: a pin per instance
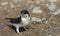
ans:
(49, 25)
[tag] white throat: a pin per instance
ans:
(25, 20)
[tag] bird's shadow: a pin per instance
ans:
(21, 29)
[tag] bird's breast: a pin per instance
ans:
(25, 20)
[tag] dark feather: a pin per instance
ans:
(24, 12)
(14, 20)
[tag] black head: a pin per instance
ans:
(24, 12)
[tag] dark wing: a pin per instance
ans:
(14, 20)
(10, 18)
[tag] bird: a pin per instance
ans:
(21, 21)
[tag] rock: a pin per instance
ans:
(50, 35)
(31, 6)
(30, 1)
(36, 10)
(36, 19)
(56, 12)
(16, 1)
(4, 3)
(12, 5)
(52, 6)
(38, 1)
(52, 0)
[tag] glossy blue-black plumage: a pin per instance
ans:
(14, 20)
(18, 19)
(24, 12)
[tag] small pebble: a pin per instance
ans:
(4, 3)
(37, 10)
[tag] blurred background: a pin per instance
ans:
(45, 16)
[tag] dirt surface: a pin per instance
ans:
(49, 26)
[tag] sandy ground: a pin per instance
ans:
(49, 26)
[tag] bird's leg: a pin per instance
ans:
(17, 29)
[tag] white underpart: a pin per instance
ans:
(25, 22)
(17, 27)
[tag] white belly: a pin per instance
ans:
(25, 21)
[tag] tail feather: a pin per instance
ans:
(9, 18)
